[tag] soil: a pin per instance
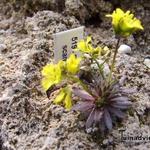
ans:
(28, 119)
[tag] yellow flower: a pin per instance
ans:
(60, 97)
(64, 96)
(105, 51)
(124, 23)
(85, 46)
(96, 51)
(72, 64)
(52, 74)
(68, 101)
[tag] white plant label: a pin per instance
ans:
(65, 42)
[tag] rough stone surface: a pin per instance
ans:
(82, 9)
(28, 120)
(91, 12)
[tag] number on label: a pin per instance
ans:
(74, 42)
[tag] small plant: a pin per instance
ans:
(101, 97)
(103, 105)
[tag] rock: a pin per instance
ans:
(147, 62)
(3, 47)
(105, 142)
(28, 119)
(125, 49)
(78, 8)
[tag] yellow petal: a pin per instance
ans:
(52, 74)
(117, 15)
(57, 74)
(84, 45)
(61, 64)
(137, 24)
(73, 64)
(68, 101)
(105, 51)
(46, 83)
(90, 49)
(47, 69)
(60, 97)
(98, 49)
(81, 46)
(88, 40)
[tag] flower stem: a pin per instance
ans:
(114, 60)
(100, 67)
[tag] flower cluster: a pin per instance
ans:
(124, 23)
(52, 74)
(65, 97)
(85, 46)
(101, 97)
(55, 73)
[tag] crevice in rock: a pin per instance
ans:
(115, 3)
(60, 5)
(94, 20)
